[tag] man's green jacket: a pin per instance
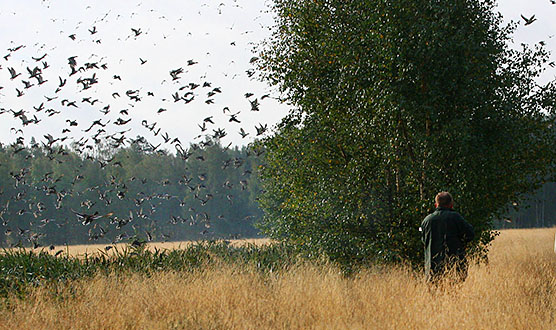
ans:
(445, 234)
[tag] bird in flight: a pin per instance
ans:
(88, 218)
(529, 20)
(13, 73)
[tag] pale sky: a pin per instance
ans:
(219, 36)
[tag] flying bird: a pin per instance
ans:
(254, 105)
(242, 133)
(529, 20)
(88, 218)
(261, 129)
(233, 118)
(13, 73)
(38, 59)
(137, 32)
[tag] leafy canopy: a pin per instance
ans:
(392, 102)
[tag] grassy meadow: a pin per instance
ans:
(516, 290)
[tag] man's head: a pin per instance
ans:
(444, 199)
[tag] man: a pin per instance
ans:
(445, 234)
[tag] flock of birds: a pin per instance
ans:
(112, 127)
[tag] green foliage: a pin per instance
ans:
(392, 103)
(21, 269)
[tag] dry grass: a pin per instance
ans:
(517, 290)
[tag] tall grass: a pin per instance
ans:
(516, 290)
(22, 269)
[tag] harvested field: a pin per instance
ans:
(96, 249)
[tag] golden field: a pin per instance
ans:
(96, 249)
(516, 290)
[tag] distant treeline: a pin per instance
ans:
(537, 210)
(56, 194)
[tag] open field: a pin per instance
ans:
(517, 290)
(96, 249)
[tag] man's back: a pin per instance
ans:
(445, 233)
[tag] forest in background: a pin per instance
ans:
(56, 194)
(206, 192)
(537, 210)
